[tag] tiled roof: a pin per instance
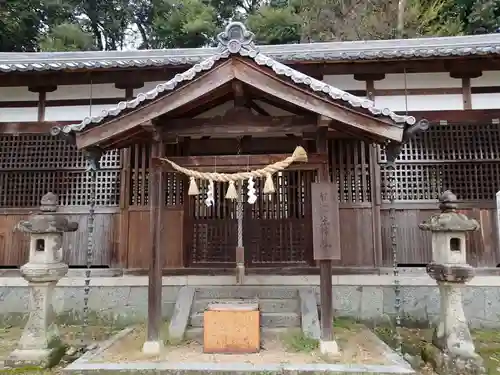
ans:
(473, 45)
(236, 39)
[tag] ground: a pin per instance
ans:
(415, 340)
(356, 342)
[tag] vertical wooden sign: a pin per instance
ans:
(325, 221)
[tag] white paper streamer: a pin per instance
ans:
(252, 198)
(210, 194)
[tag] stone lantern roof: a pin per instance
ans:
(47, 220)
(449, 220)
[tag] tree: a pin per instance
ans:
(483, 16)
(278, 25)
(67, 37)
(20, 22)
(30, 25)
(325, 20)
(189, 24)
(107, 20)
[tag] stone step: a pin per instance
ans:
(265, 305)
(243, 292)
(196, 334)
(268, 320)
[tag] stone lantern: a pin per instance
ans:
(43, 270)
(450, 270)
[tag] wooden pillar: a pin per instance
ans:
(376, 192)
(153, 344)
(121, 259)
(325, 265)
(466, 73)
(42, 98)
(375, 174)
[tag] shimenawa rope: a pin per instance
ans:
(299, 155)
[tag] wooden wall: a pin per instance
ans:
(462, 157)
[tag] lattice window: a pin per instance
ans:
(463, 158)
(350, 167)
(32, 165)
(173, 183)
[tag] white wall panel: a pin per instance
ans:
(418, 81)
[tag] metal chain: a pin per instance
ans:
(90, 247)
(239, 205)
(391, 174)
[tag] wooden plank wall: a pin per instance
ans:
(14, 245)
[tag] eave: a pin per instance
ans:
(239, 60)
(330, 52)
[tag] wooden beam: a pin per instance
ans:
(239, 94)
(234, 162)
(257, 108)
(30, 127)
(269, 83)
(236, 126)
(324, 121)
(188, 93)
(472, 116)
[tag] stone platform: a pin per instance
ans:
(94, 363)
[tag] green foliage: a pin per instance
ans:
(20, 22)
(70, 25)
(484, 14)
(67, 37)
(185, 25)
(275, 25)
(432, 18)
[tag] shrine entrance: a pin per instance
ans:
(277, 229)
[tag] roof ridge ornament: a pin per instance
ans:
(236, 37)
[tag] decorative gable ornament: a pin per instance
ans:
(235, 38)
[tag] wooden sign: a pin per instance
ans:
(325, 221)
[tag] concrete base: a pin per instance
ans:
(152, 347)
(328, 347)
(24, 358)
(92, 363)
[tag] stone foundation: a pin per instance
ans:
(124, 299)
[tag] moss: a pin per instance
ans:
(34, 370)
(346, 323)
(296, 341)
(58, 352)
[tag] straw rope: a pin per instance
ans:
(299, 155)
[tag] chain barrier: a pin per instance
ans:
(391, 173)
(90, 247)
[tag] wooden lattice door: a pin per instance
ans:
(276, 230)
(212, 232)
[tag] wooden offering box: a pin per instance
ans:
(231, 328)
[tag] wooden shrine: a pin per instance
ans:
(264, 154)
